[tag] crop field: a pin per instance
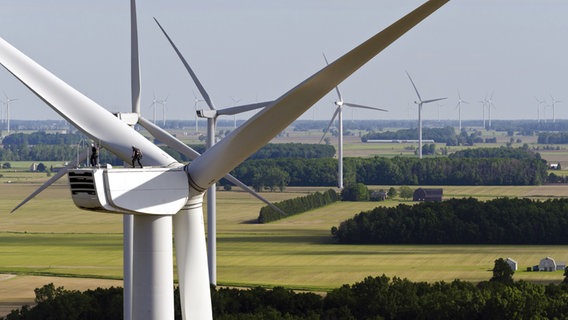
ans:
(50, 237)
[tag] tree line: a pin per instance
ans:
(441, 135)
(377, 297)
(460, 221)
(297, 205)
(552, 138)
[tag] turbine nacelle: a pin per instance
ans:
(208, 114)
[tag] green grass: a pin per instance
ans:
(49, 236)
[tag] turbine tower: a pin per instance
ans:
(458, 106)
(165, 192)
(211, 116)
(420, 102)
(339, 114)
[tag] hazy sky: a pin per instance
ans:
(256, 50)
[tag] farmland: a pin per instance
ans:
(49, 240)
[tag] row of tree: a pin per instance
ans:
(297, 205)
(441, 135)
(460, 221)
(373, 298)
(553, 138)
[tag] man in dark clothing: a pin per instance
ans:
(94, 155)
(136, 156)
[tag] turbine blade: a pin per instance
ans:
(244, 108)
(93, 120)
(418, 94)
(339, 97)
(168, 139)
(243, 186)
(189, 152)
(220, 159)
(134, 59)
(200, 87)
(82, 157)
(433, 100)
(330, 123)
(353, 105)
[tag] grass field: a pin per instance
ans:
(49, 236)
(50, 240)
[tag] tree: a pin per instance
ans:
(355, 192)
(392, 192)
(41, 167)
(502, 272)
(6, 165)
(565, 281)
(405, 192)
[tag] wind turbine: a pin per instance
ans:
(490, 105)
(153, 105)
(154, 211)
(483, 103)
(539, 103)
(339, 114)
(164, 102)
(211, 115)
(420, 102)
(7, 103)
(458, 105)
(196, 102)
(552, 104)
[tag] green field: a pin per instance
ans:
(49, 236)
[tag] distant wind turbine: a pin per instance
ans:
(458, 105)
(7, 103)
(164, 103)
(420, 102)
(196, 102)
(490, 105)
(483, 104)
(539, 103)
(553, 104)
(338, 113)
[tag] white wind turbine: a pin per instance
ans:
(420, 102)
(154, 105)
(154, 210)
(483, 104)
(490, 105)
(339, 114)
(538, 104)
(7, 103)
(458, 105)
(211, 116)
(196, 102)
(553, 103)
(164, 103)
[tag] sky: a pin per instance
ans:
(251, 50)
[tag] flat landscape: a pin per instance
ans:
(50, 240)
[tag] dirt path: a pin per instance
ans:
(16, 291)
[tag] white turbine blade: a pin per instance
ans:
(433, 100)
(330, 123)
(219, 160)
(243, 186)
(200, 87)
(418, 94)
(362, 106)
(244, 108)
(168, 139)
(189, 152)
(89, 117)
(134, 59)
(339, 97)
(54, 178)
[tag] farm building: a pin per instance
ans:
(424, 194)
(512, 264)
(547, 264)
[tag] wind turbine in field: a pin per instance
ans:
(166, 192)
(420, 102)
(553, 103)
(538, 104)
(7, 103)
(458, 105)
(490, 105)
(211, 115)
(339, 114)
